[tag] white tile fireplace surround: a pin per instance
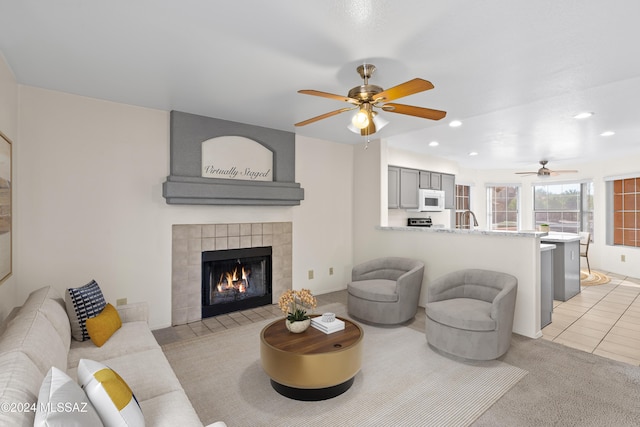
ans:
(190, 240)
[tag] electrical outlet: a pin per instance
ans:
(121, 301)
(330, 271)
(310, 274)
(623, 258)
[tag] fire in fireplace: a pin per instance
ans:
(235, 279)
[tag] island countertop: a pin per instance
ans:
(519, 233)
(560, 237)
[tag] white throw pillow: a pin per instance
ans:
(109, 394)
(61, 402)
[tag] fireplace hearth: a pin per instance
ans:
(235, 279)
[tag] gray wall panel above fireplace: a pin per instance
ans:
(185, 184)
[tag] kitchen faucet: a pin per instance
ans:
(467, 213)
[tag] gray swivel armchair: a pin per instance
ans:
(385, 290)
(470, 313)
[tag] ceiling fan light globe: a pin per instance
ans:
(360, 120)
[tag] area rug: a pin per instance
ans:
(594, 278)
(402, 382)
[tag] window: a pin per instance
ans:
(503, 207)
(566, 207)
(626, 212)
(462, 204)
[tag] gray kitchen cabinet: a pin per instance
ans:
(409, 182)
(436, 181)
(393, 180)
(448, 182)
(404, 184)
(425, 179)
(430, 180)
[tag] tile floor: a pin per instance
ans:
(603, 320)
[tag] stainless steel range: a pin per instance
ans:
(419, 222)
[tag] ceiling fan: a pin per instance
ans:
(366, 97)
(544, 171)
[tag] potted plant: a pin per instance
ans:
(544, 227)
(294, 305)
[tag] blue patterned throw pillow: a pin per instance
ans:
(83, 303)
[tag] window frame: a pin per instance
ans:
(490, 205)
(584, 213)
(619, 215)
(460, 221)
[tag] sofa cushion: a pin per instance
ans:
(105, 324)
(33, 334)
(462, 313)
(132, 337)
(381, 290)
(148, 373)
(54, 311)
(169, 410)
(82, 303)
(110, 395)
(39, 296)
(20, 381)
(62, 403)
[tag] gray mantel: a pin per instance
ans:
(185, 184)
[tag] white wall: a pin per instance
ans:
(323, 236)
(91, 204)
(9, 127)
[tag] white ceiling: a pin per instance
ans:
(514, 71)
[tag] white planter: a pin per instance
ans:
(297, 327)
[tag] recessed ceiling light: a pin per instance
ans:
(583, 115)
(608, 133)
(434, 144)
(473, 153)
(455, 123)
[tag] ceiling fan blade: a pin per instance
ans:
(403, 89)
(527, 173)
(323, 116)
(564, 171)
(329, 95)
(425, 113)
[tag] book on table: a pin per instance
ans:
(327, 327)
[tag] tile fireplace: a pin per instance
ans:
(190, 241)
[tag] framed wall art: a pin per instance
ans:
(5, 208)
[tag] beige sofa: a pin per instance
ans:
(37, 336)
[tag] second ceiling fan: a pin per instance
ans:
(544, 171)
(366, 97)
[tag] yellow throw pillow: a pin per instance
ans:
(105, 324)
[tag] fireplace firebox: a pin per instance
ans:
(235, 279)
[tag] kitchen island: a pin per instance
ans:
(566, 264)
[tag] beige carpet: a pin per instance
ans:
(593, 279)
(402, 383)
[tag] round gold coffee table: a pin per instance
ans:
(311, 365)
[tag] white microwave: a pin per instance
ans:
(430, 200)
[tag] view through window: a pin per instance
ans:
(566, 207)
(462, 205)
(503, 207)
